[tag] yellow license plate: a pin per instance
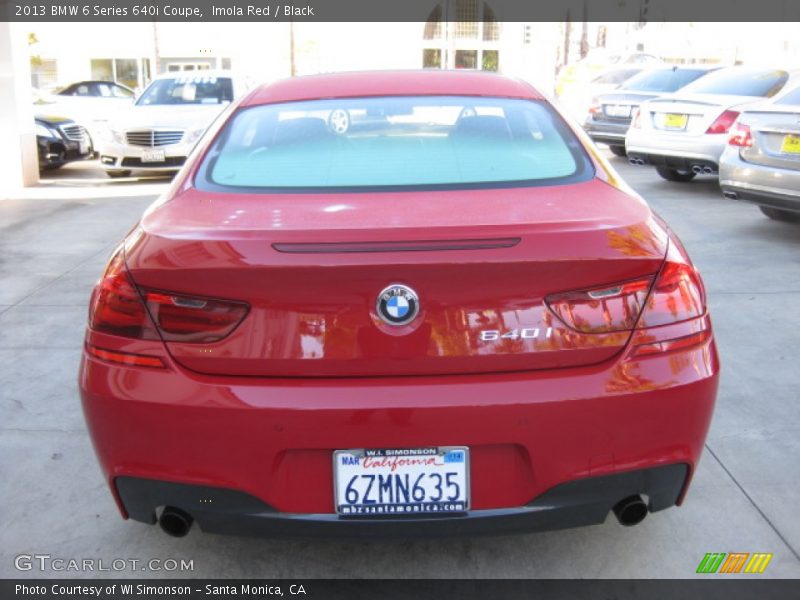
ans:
(674, 121)
(791, 144)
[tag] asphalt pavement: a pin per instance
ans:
(54, 242)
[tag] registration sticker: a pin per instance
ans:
(397, 481)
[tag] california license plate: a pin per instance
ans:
(620, 111)
(791, 144)
(398, 481)
(675, 121)
(149, 156)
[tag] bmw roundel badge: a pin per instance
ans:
(397, 305)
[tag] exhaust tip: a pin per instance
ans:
(697, 169)
(631, 511)
(636, 161)
(729, 195)
(175, 522)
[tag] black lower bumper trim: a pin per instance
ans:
(572, 504)
(607, 138)
(674, 162)
(168, 162)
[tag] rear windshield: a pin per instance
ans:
(740, 82)
(662, 80)
(616, 76)
(791, 98)
(190, 89)
(394, 142)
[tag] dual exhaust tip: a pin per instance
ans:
(696, 169)
(177, 523)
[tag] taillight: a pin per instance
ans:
(192, 319)
(636, 119)
(674, 316)
(602, 310)
(723, 122)
(125, 358)
(676, 296)
(665, 313)
(119, 308)
(595, 108)
(741, 136)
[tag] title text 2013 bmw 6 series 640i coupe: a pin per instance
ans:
(397, 303)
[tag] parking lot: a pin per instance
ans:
(55, 241)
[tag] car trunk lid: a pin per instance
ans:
(311, 268)
(776, 137)
(690, 114)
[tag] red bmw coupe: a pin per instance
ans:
(397, 303)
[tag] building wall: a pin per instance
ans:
(262, 50)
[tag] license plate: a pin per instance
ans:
(153, 156)
(791, 144)
(83, 148)
(675, 121)
(618, 110)
(398, 481)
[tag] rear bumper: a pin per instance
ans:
(759, 184)
(612, 133)
(272, 438)
(675, 150)
(577, 503)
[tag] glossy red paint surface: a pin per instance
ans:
(391, 83)
(311, 368)
(273, 438)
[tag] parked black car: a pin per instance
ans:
(60, 141)
(610, 114)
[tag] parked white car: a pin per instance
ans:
(683, 134)
(93, 104)
(159, 131)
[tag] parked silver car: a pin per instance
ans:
(684, 134)
(609, 116)
(761, 163)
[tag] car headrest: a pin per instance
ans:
(300, 130)
(483, 126)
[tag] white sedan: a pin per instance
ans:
(158, 132)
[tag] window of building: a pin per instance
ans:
(432, 58)
(466, 59)
(44, 73)
(132, 72)
(461, 34)
(490, 60)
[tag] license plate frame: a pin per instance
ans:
(454, 458)
(153, 156)
(791, 144)
(618, 111)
